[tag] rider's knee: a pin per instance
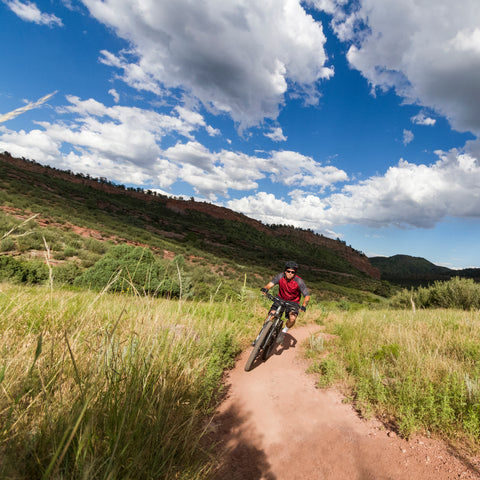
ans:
(291, 321)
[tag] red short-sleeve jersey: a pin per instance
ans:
(291, 290)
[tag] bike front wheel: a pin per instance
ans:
(271, 340)
(258, 345)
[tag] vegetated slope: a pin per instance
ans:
(406, 270)
(167, 224)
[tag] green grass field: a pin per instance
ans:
(105, 386)
(417, 370)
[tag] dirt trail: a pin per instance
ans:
(274, 424)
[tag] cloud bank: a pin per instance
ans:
(126, 143)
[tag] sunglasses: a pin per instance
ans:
(289, 271)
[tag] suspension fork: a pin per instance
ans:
(277, 324)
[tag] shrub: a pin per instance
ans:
(129, 269)
(7, 245)
(95, 246)
(66, 274)
(461, 293)
(70, 252)
(59, 256)
(22, 272)
(32, 241)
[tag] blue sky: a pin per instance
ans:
(358, 120)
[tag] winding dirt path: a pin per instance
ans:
(274, 424)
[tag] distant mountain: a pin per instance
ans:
(406, 270)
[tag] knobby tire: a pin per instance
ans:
(268, 349)
(258, 345)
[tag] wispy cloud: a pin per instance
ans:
(407, 136)
(422, 119)
(114, 94)
(276, 135)
(26, 108)
(29, 12)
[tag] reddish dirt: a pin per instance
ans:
(274, 424)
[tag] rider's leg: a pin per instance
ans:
(270, 313)
(292, 317)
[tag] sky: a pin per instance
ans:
(359, 120)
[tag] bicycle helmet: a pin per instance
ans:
(291, 265)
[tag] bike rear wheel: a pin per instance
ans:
(258, 345)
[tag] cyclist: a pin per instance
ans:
(290, 287)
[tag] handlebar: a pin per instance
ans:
(277, 299)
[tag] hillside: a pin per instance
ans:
(96, 208)
(406, 270)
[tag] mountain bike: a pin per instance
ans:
(266, 339)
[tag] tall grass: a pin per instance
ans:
(420, 370)
(109, 386)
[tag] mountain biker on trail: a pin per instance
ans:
(291, 288)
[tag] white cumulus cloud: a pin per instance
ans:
(406, 196)
(427, 50)
(239, 57)
(276, 135)
(104, 141)
(125, 144)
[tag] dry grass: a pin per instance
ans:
(108, 386)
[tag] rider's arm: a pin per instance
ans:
(305, 293)
(306, 299)
(268, 286)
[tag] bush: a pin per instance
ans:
(461, 293)
(70, 252)
(7, 245)
(22, 272)
(129, 269)
(32, 241)
(95, 246)
(66, 274)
